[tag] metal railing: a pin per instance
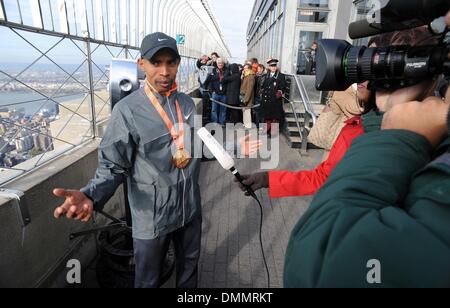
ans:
(55, 100)
(298, 87)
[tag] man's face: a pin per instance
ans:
(161, 71)
(220, 64)
(363, 92)
(273, 68)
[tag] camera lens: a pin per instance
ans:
(339, 65)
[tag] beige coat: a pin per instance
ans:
(248, 88)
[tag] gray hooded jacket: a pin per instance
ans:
(137, 146)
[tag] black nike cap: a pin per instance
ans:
(157, 41)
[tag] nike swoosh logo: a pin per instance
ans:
(162, 40)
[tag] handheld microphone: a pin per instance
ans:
(223, 157)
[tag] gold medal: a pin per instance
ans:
(181, 159)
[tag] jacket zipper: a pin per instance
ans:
(182, 171)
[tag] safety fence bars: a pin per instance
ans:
(54, 71)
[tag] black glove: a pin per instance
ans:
(255, 181)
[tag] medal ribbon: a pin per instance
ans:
(178, 138)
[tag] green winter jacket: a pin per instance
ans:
(381, 220)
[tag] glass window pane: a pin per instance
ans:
(71, 17)
(311, 16)
(47, 15)
(313, 3)
(307, 38)
(12, 11)
(306, 56)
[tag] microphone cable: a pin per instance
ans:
(261, 241)
(253, 195)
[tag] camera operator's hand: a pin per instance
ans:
(76, 206)
(256, 181)
(386, 100)
(427, 118)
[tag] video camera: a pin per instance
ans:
(339, 64)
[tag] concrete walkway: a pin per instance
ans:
(231, 254)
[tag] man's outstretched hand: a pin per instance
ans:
(76, 206)
(256, 181)
(249, 147)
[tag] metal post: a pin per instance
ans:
(305, 133)
(91, 87)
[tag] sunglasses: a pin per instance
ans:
(273, 65)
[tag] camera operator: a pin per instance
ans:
(382, 219)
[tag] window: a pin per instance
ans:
(362, 8)
(312, 16)
(307, 38)
(313, 3)
(305, 56)
(315, 11)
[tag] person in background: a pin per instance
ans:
(341, 106)
(233, 82)
(255, 64)
(203, 61)
(218, 87)
(204, 71)
(248, 94)
(260, 76)
(273, 89)
(311, 57)
(214, 58)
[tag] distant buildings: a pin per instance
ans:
(23, 137)
(42, 141)
(287, 29)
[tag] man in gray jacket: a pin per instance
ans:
(144, 145)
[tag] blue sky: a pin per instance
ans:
(233, 16)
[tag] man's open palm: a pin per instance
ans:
(76, 206)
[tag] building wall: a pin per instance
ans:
(293, 36)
